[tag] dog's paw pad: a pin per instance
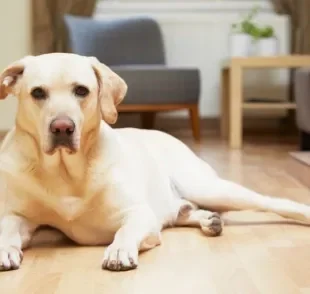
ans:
(212, 224)
(10, 258)
(120, 259)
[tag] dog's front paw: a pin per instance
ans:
(120, 258)
(10, 258)
(212, 224)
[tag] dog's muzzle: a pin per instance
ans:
(62, 131)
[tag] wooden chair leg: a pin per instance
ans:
(195, 122)
(224, 118)
(148, 120)
(235, 116)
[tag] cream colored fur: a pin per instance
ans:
(120, 187)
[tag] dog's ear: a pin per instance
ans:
(112, 90)
(10, 76)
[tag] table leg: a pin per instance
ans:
(224, 102)
(235, 125)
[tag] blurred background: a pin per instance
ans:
(171, 66)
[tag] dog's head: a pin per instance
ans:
(62, 96)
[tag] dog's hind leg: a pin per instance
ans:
(209, 222)
(223, 195)
(198, 185)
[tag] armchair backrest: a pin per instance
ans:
(130, 41)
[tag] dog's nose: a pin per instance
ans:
(62, 126)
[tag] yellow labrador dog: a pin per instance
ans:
(62, 165)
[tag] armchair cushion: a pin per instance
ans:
(158, 84)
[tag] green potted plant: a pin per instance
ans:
(266, 42)
(241, 35)
(247, 34)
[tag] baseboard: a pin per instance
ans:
(265, 124)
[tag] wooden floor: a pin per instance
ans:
(259, 253)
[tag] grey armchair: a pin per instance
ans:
(134, 49)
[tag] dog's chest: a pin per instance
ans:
(86, 218)
(90, 223)
(68, 203)
(90, 229)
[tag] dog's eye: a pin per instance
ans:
(38, 93)
(81, 91)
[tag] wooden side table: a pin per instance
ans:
(232, 103)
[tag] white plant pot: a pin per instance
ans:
(267, 47)
(240, 45)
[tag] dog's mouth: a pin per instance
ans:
(69, 145)
(68, 148)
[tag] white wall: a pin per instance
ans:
(15, 43)
(196, 34)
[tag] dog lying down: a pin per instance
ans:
(62, 165)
